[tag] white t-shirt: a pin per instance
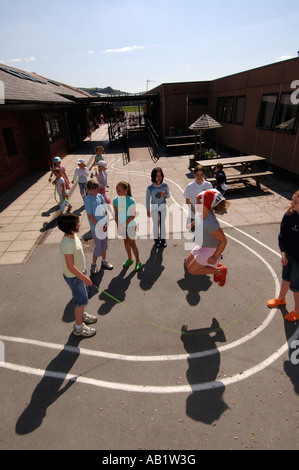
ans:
(193, 189)
(59, 184)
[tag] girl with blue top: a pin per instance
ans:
(156, 195)
(124, 211)
(96, 211)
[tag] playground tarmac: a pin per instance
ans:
(178, 363)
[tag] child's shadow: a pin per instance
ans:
(193, 285)
(152, 269)
(50, 388)
(50, 211)
(206, 403)
(116, 292)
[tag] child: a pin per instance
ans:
(124, 209)
(81, 172)
(61, 191)
(205, 259)
(194, 188)
(288, 240)
(99, 150)
(156, 195)
(57, 164)
(101, 176)
(220, 178)
(95, 207)
(73, 262)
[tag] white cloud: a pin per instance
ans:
(284, 57)
(31, 59)
(27, 59)
(90, 52)
(125, 49)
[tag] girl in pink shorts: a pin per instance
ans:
(205, 257)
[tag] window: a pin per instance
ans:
(53, 127)
(231, 109)
(287, 114)
(278, 113)
(198, 101)
(9, 140)
(220, 109)
(267, 111)
(240, 110)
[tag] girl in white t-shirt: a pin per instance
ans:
(61, 191)
(193, 189)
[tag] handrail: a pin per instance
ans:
(153, 136)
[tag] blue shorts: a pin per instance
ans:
(290, 273)
(82, 187)
(79, 291)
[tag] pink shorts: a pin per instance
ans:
(103, 192)
(202, 254)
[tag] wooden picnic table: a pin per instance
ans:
(246, 166)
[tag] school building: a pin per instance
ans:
(257, 109)
(39, 119)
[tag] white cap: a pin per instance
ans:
(102, 163)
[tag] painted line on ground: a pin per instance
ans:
(151, 388)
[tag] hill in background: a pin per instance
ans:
(106, 91)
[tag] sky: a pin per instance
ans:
(135, 45)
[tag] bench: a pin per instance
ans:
(180, 145)
(241, 176)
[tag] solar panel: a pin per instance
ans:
(20, 74)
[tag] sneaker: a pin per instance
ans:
(216, 276)
(85, 331)
(222, 277)
(138, 266)
(163, 243)
(128, 263)
(88, 319)
(157, 243)
(292, 316)
(94, 269)
(106, 265)
(272, 303)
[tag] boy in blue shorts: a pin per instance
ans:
(74, 272)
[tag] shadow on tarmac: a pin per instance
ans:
(205, 405)
(49, 390)
(194, 285)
